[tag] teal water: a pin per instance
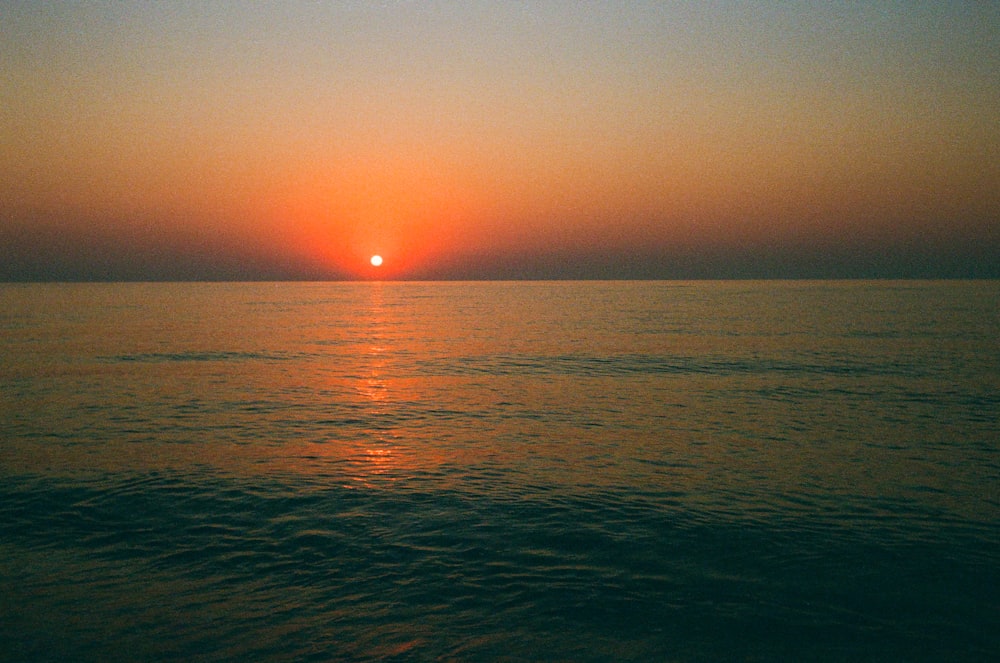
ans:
(579, 471)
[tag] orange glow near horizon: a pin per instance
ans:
(404, 210)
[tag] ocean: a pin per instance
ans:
(513, 471)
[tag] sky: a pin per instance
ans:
(499, 140)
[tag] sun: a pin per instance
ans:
(376, 260)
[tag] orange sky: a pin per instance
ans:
(497, 140)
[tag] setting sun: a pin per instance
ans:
(376, 260)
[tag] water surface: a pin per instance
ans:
(515, 471)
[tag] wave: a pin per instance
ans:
(199, 356)
(653, 364)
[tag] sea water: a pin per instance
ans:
(575, 471)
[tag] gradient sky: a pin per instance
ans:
(211, 140)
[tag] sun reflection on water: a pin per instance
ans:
(376, 457)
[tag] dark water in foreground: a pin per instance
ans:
(500, 471)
